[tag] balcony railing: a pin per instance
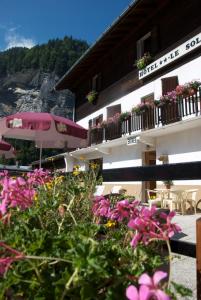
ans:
(153, 117)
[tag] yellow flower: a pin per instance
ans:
(49, 185)
(59, 179)
(76, 173)
(35, 197)
(111, 223)
(76, 167)
(94, 165)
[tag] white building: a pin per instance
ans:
(168, 133)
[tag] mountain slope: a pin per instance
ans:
(27, 77)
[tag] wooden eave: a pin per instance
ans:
(135, 16)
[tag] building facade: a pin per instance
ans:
(148, 116)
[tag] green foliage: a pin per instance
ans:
(57, 55)
(144, 61)
(66, 255)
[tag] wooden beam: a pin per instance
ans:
(183, 248)
(178, 171)
(198, 257)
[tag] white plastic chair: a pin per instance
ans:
(99, 190)
(156, 200)
(190, 197)
(170, 199)
(116, 189)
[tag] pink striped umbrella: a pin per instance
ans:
(47, 130)
(6, 149)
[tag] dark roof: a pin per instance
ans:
(135, 14)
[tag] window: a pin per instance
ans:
(169, 84)
(96, 83)
(144, 45)
(95, 121)
(148, 98)
(113, 110)
(148, 43)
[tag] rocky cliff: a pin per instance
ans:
(33, 90)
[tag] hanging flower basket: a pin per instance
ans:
(144, 61)
(92, 96)
(141, 108)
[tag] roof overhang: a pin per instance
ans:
(89, 152)
(136, 14)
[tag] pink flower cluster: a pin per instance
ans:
(149, 288)
(38, 177)
(20, 192)
(170, 97)
(122, 210)
(188, 89)
(151, 225)
(142, 107)
(6, 261)
(147, 223)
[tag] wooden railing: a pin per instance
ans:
(153, 117)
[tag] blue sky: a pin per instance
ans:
(30, 22)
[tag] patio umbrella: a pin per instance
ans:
(47, 130)
(6, 149)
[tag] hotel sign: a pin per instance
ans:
(132, 140)
(176, 53)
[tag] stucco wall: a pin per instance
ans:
(123, 157)
(187, 72)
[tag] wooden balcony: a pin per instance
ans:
(153, 117)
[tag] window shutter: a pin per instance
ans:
(169, 84)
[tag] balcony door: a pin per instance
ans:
(148, 120)
(95, 130)
(113, 130)
(113, 110)
(169, 113)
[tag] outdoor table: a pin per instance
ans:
(179, 193)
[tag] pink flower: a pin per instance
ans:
(101, 207)
(124, 210)
(15, 193)
(39, 177)
(169, 228)
(149, 288)
(148, 225)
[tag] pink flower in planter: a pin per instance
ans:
(124, 210)
(15, 192)
(39, 177)
(169, 228)
(101, 207)
(149, 288)
(149, 224)
(179, 90)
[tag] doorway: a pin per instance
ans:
(149, 160)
